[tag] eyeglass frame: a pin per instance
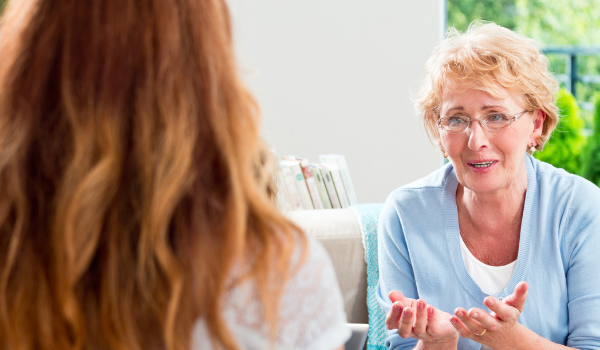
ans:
(514, 119)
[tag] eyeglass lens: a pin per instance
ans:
(490, 121)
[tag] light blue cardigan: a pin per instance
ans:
(559, 254)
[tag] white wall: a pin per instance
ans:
(335, 76)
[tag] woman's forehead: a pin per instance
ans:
(491, 88)
(456, 94)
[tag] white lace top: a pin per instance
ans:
(312, 314)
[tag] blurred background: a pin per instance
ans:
(339, 77)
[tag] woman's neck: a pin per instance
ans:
(493, 211)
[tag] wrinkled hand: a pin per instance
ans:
(415, 319)
(501, 326)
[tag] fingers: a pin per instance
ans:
(414, 318)
(502, 311)
(432, 320)
(399, 303)
(521, 290)
(486, 320)
(420, 328)
(476, 322)
(460, 327)
(518, 297)
(407, 320)
(465, 324)
(393, 316)
(398, 296)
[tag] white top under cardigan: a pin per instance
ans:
(490, 279)
(311, 315)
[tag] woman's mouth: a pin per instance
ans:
(482, 164)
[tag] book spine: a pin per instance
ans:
(339, 187)
(316, 174)
(291, 191)
(333, 197)
(347, 180)
(284, 202)
(310, 183)
(340, 161)
(301, 185)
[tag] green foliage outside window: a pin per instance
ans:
(547, 21)
(462, 12)
(591, 156)
(565, 147)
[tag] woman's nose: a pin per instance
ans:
(477, 138)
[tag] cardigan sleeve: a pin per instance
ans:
(582, 247)
(395, 269)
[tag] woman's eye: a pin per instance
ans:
(456, 120)
(500, 117)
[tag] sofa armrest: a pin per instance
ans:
(338, 230)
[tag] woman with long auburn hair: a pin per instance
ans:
(134, 207)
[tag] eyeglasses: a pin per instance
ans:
(456, 124)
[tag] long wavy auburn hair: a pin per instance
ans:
(132, 177)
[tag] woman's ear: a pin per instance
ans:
(442, 149)
(538, 122)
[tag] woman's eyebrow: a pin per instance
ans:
(483, 108)
(458, 108)
(492, 107)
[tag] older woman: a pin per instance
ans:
(496, 246)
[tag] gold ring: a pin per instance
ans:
(482, 333)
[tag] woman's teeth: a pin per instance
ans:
(482, 165)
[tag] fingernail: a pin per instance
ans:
(475, 315)
(490, 302)
(453, 323)
(460, 314)
(407, 312)
(397, 307)
(420, 304)
(430, 310)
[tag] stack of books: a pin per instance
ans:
(305, 186)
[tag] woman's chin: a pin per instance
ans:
(482, 185)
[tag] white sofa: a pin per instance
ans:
(339, 230)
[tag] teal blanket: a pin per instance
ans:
(369, 218)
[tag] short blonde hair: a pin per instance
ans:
(486, 57)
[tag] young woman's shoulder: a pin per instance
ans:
(311, 311)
